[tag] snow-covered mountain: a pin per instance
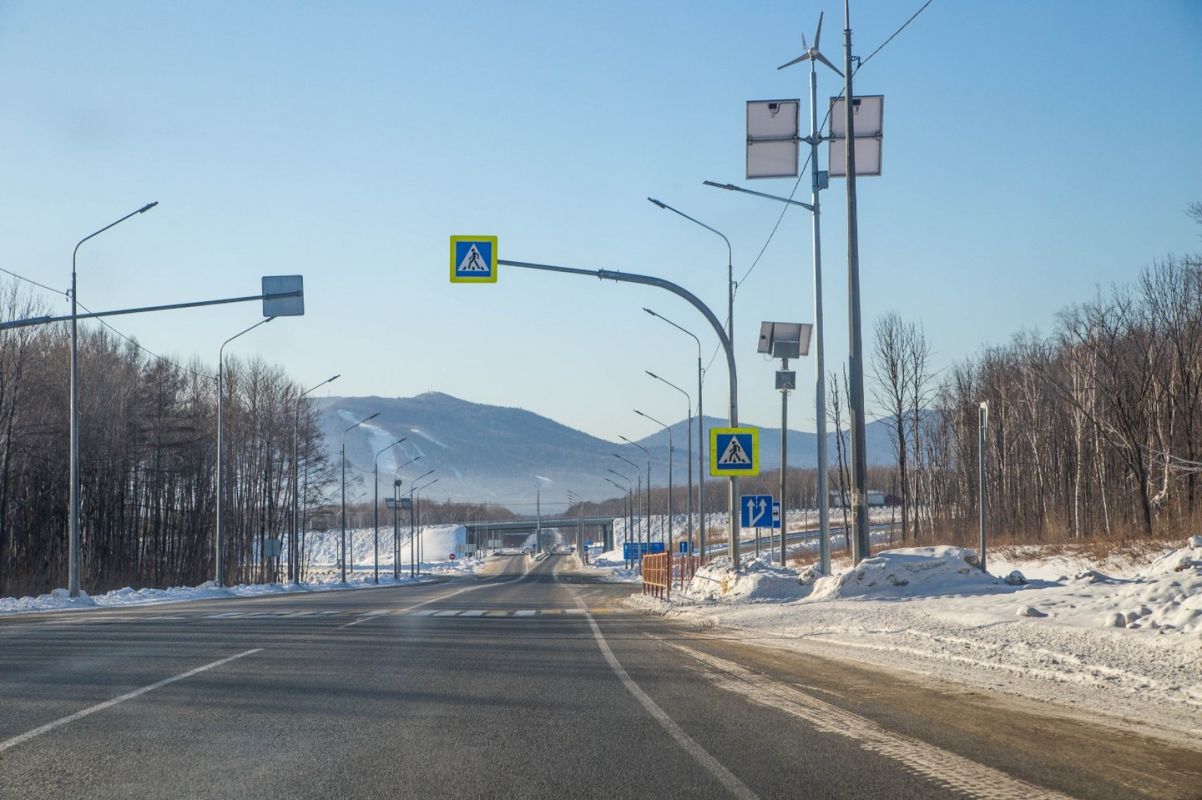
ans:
(486, 453)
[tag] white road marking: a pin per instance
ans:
(447, 612)
(916, 756)
(58, 723)
(525, 612)
(712, 765)
(473, 613)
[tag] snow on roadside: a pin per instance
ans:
(322, 555)
(1126, 644)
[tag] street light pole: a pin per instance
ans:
(416, 503)
(689, 462)
(376, 505)
(700, 433)
(396, 534)
(861, 545)
(396, 530)
(723, 338)
(73, 555)
(629, 489)
(413, 565)
(342, 565)
(219, 570)
(294, 561)
(647, 453)
(730, 275)
(671, 452)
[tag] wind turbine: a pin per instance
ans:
(812, 53)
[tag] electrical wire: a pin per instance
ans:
(130, 339)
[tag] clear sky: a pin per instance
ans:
(1033, 151)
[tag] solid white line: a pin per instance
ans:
(724, 776)
(58, 723)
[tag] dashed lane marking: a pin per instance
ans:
(58, 723)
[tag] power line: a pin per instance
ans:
(130, 339)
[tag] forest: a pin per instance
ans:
(148, 460)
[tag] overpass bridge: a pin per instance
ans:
(513, 533)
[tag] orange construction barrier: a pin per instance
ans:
(657, 575)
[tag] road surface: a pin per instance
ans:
(536, 682)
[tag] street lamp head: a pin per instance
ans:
(373, 416)
(656, 202)
(652, 374)
(147, 207)
(730, 187)
(336, 377)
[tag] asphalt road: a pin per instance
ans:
(537, 683)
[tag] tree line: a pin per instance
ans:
(148, 460)
(1093, 429)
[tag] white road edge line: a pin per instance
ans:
(942, 767)
(724, 776)
(58, 723)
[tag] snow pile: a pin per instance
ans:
(1117, 639)
(758, 581)
(437, 541)
(1166, 597)
(910, 572)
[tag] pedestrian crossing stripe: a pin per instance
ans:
(734, 451)
(473, 259)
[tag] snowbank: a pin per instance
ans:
(1121, 641)
(758, 581)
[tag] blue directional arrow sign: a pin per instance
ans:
(473, 259)
(755, 510)
(776, 514)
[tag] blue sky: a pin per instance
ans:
(1033, 151)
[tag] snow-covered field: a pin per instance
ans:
(1122, 638)
(322, 572)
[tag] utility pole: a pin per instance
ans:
(982, 425)
(861, 546)
(784, 457)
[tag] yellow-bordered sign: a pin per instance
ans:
(473, 259)
(734, 451)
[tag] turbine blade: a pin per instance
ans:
(804, 46)
(822, 58)
(798, 60)
(818, 35)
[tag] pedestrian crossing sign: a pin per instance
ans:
(734, 451)
(473, 259)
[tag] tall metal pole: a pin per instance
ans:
(344, 433)
(689, 440)
(723, 337)
(784, 461)
(294, 561)
(982, 425)
(538, 513)
(861, 545)
(824, 517)
(73, 543)
(376, 507)
(396, 530)
(671, 453)
(219, 544)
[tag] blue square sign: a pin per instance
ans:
(755, 511)
(473, 259)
